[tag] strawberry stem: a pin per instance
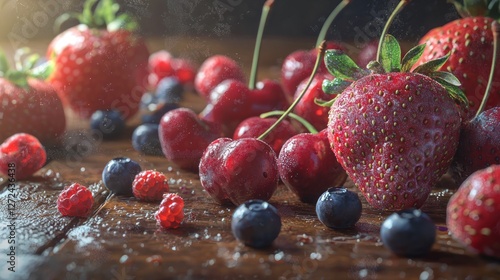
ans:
(296, 117)
(329, 20)
(258, 43)
(319, 59)
(495, 28)
(391, 18)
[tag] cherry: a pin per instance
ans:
(298, 66)
(308, 167)
(306, 108)
(215, 70)
(234, 171)
(368, 53)
(184, 137)
(253, 127)
(232, 101)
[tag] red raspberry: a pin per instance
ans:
(25, 152)
(171, 212)
(162, 64)
(75, 201)
(150, 185)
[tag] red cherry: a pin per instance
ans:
(215, 70)
(184, 137)
(239, 170)
(298, 66)
(253, 127)
(306, 108)
(232, 101)
(308, 167)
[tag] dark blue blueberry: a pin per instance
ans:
(169, 90)
(256, 223)
(408, 233)
(156, 112)
(338, 208)
(145, 139)
(110, 123)
(148, 99)
(119, 174)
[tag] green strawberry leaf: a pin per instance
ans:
(4, 64)
(106, 11)
(123, 21)
(342, 66)
(454, 91)
(19, 78)
(30, 61)
(412, 57)
(335, 86)
(432, 65)
(390, 54)
(43, 70)
(324, 103)
(446, 76)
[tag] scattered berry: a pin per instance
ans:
(169, 90)
(110, 123)
(150, 185)
(215, 70)
(171, 212)
(338, 208)
(145, 139)
(75, 201)
(25, 152)
(408, 233)
(472, 212)
(162, 64)
(155, 111)
(119, 174)
(256, 223)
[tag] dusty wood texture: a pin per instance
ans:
(122, 241)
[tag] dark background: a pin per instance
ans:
(361, 20)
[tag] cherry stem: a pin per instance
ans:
(329, 20)
(319, 59)
(495, 27)
(258, 43)
(296, 117)
(391, 18)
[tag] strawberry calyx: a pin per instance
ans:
(346, 71)
(105, 15)
(26, 66)
(472, 8)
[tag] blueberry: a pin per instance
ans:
(119, 174)
(256, 223)
(408, 233)
(110, 123)
(338, 208)
(145, 139)
(148, 99)
(155, 112)
(169, 90)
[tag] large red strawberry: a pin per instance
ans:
(394, 131)
(28, 104)
(469, 41)
(472, 212)
(100, 64)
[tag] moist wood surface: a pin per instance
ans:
(122, 240)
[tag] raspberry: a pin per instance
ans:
(75, 201)
(170, 214)
(150, 185)
(25, 152)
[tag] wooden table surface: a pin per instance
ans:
(122, 241)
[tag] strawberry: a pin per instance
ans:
(27, 103)
(393, 130)
(469, 41)
(472, 212)
(479, 142)
(98, 64)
